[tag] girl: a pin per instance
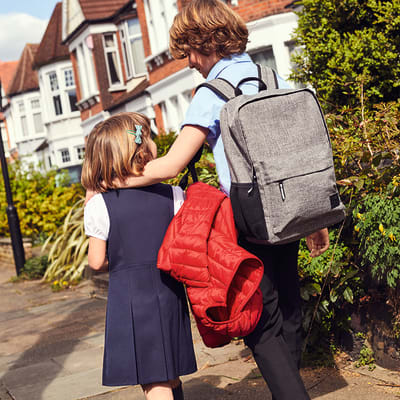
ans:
(148, 339)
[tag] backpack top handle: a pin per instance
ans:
(262, 85)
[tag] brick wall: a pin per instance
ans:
(6, 251)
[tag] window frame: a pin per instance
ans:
(113, 49)
(67, 154)
(127, 53)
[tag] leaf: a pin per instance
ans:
(348, 295)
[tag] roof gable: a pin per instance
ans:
(25, 78)
(50, 48)
(7, 70)
(76, 12)
(72, 16)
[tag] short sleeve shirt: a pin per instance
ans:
(97, 220)
(205, 107)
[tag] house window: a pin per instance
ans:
(70, 89)
(65, 156)
(35, 104)
(264, 57)
(24, 125)
(80, 152)
(84, 56)
(292, 48)
(159, 19)
(112, 59)
(132, 47)
(37, 122)
(21, 107)
(55, 92)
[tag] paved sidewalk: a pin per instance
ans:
(51, 348)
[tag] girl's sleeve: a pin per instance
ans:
(96, 219)
(179, 198)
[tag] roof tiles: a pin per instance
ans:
(50, 48)
(7, 70)
(25, 78)
(101, 9)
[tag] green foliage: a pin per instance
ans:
(67, 249)
(34, 268)
(378, 231)
(329, 283)
(205, 168)
(366, 358)
(42, 199)
(346, 42)
(365, 149)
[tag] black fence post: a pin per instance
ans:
(12, 215)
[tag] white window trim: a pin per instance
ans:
(86, 71)
(125, 40)
(157, 25)
(113, 49)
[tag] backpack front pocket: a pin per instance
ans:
(300, 205)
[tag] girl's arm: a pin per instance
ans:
(97, 253)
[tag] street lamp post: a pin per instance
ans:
(12, 215)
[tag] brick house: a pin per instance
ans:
(24, 112)
(119, 51)
(105, 43)
(63, 145)
(7, 70)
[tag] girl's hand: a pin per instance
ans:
(318, 242)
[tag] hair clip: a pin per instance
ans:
(137, 133)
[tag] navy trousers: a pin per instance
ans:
(276, 341)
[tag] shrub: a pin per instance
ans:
(378, 231)
(34, 268)
(345, 42)
(42, 200)
(329, 284)
(68, 249)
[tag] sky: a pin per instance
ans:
(21, 22)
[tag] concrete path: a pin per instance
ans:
(51, 348)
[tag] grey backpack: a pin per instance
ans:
(280, 159)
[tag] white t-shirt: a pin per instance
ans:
(97, 221)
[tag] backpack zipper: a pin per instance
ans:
(253, 183)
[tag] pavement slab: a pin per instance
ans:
(51, 348)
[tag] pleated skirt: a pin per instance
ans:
(148, 337)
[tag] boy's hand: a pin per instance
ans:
(318, 242)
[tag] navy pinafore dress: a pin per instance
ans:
(148, 337)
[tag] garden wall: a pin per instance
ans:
(6, 251)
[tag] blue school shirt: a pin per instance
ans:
(205, 107)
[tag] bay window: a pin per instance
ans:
(132, 47)
(112, 59)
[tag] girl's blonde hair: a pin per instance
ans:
(207, 26)
(111, 152)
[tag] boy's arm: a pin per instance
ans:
(97, 254)
(184, 148)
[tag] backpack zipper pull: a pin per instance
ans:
(253, 183)
(282, 189)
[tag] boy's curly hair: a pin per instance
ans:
(207, 26)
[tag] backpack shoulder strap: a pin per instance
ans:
(268, 75)
(220, 87)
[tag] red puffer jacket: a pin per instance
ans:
(200, 249)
